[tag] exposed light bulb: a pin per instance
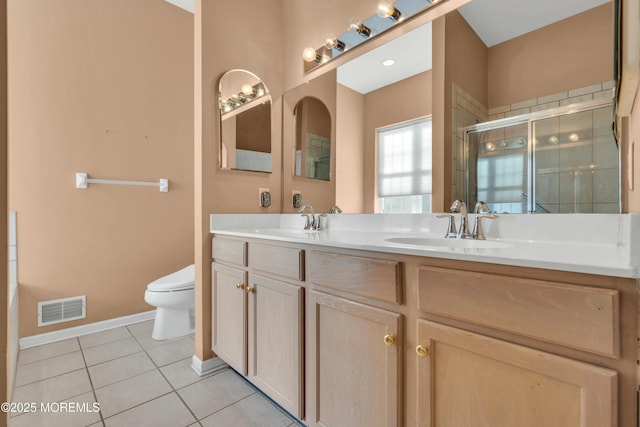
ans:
(387, 10)
(331, 42)
(359, 27)
(574, 137)
(247, 90)
(309, 54)
(553, 140)
(489, 146)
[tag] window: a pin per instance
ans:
(404, 167)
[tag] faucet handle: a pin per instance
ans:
(481, 208)
(335, 209)
(478, 233)
(451, 233)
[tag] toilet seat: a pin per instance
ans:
(181, 280)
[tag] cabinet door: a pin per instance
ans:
(466, 379)
(229, 304)
(275, 341)
(354, 361)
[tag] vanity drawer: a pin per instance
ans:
(581, 317)
(368, 277)
(285, 262)
(228, 250)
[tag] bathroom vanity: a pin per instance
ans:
(379, 320)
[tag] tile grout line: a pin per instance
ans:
(174, 390)
(93, 390)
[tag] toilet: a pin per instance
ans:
(173, 296)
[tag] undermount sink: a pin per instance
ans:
(448, 243)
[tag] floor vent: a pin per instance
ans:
(62, 310)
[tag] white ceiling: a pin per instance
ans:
(188, 5)
(366, 72)
(495, 21)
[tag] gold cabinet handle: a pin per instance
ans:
(251, 290)
(240, 285)
(422, 351)
(389, 339)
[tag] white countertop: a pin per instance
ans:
(606, 244)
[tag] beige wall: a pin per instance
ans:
(227, 37)
(572, 53)
(350, 154)
(465, 65)
(387, 106)
(5, 385)
(103, 87)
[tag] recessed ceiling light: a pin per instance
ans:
(388, 62)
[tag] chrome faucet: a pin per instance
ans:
(312, 221)
(458, 206)
(482, 211)
(335, 209)
(310, 218)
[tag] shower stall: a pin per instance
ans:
(560, 160)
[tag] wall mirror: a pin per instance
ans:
(486, 74)
(245, 122)
(313, 139)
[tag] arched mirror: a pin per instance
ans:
(245, 122)
(313, 139)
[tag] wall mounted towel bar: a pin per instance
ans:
(83, 181)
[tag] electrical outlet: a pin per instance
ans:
(264, 197)
(296, 199)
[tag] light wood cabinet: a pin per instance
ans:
(466, 379)
(354, 363)
(229, 303)
(331, 335)
(276, 342)
(258, 321)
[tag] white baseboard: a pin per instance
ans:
(208, 366)
(90, 328)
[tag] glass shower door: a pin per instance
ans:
(499, 170)
(561, 160)
(575, 160)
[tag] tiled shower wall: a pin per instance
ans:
(468, 111)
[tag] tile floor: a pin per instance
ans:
(137, 382)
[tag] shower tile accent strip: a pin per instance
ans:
(581, 94)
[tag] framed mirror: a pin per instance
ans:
(245, 122)
(313, 139)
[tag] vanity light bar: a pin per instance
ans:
(360, 31)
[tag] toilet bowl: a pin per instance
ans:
(173, 296)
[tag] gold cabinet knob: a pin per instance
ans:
(389, 339)
(240, 285)
(422, 351)
(251, 290)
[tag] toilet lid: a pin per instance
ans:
(179, 281)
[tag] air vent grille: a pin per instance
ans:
(62, 310)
